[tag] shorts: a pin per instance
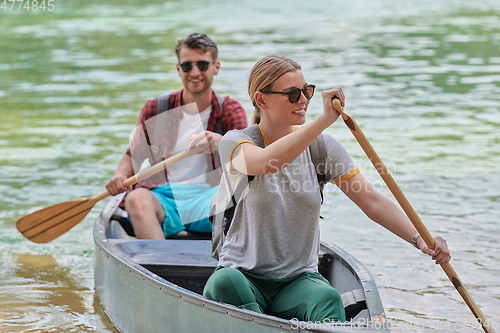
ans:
(186, 207)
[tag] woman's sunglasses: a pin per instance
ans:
(202, 65)
(294, 93)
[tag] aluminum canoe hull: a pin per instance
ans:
(154, 286)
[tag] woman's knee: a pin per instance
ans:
(229, 285)
(331, 295)
(310, 299)
(223, 283)
(329, 305)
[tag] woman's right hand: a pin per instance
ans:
(115, 185)
(328, 96)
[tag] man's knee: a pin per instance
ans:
(137, 198)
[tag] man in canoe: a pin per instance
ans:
(268, 261)
(179, 198)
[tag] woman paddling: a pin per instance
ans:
(268, 262)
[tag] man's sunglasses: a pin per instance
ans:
(202, 65)
(295, 93)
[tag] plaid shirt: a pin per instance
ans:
(155, 137)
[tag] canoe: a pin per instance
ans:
(156, 285)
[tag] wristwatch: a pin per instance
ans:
(414, 240)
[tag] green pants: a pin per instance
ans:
(307, 297)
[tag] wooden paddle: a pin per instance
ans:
(51, 222)
(408, 209)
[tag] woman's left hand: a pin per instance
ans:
(441, 253)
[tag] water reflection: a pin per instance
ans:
(32, 282)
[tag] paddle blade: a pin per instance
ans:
(51, 222)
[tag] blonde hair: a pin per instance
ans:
(264, 73)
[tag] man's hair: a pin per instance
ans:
(197, 41)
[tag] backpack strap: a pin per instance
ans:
(220, 100)
(317, 149)
(161, 121)
(254, 133)
(163, 103)
(158, 130)
(235, 198)
(218, 124)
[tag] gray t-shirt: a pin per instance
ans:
(275, 229)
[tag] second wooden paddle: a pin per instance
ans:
(51, 222)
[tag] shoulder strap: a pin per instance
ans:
(158, 133)
(218, 124)
(163, 103)
(317, 149)
(220, 99)
(235, 198)
(254, 133)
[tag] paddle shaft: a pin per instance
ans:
(410, 212)
(151, 171)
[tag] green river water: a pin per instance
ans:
(421, 78)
